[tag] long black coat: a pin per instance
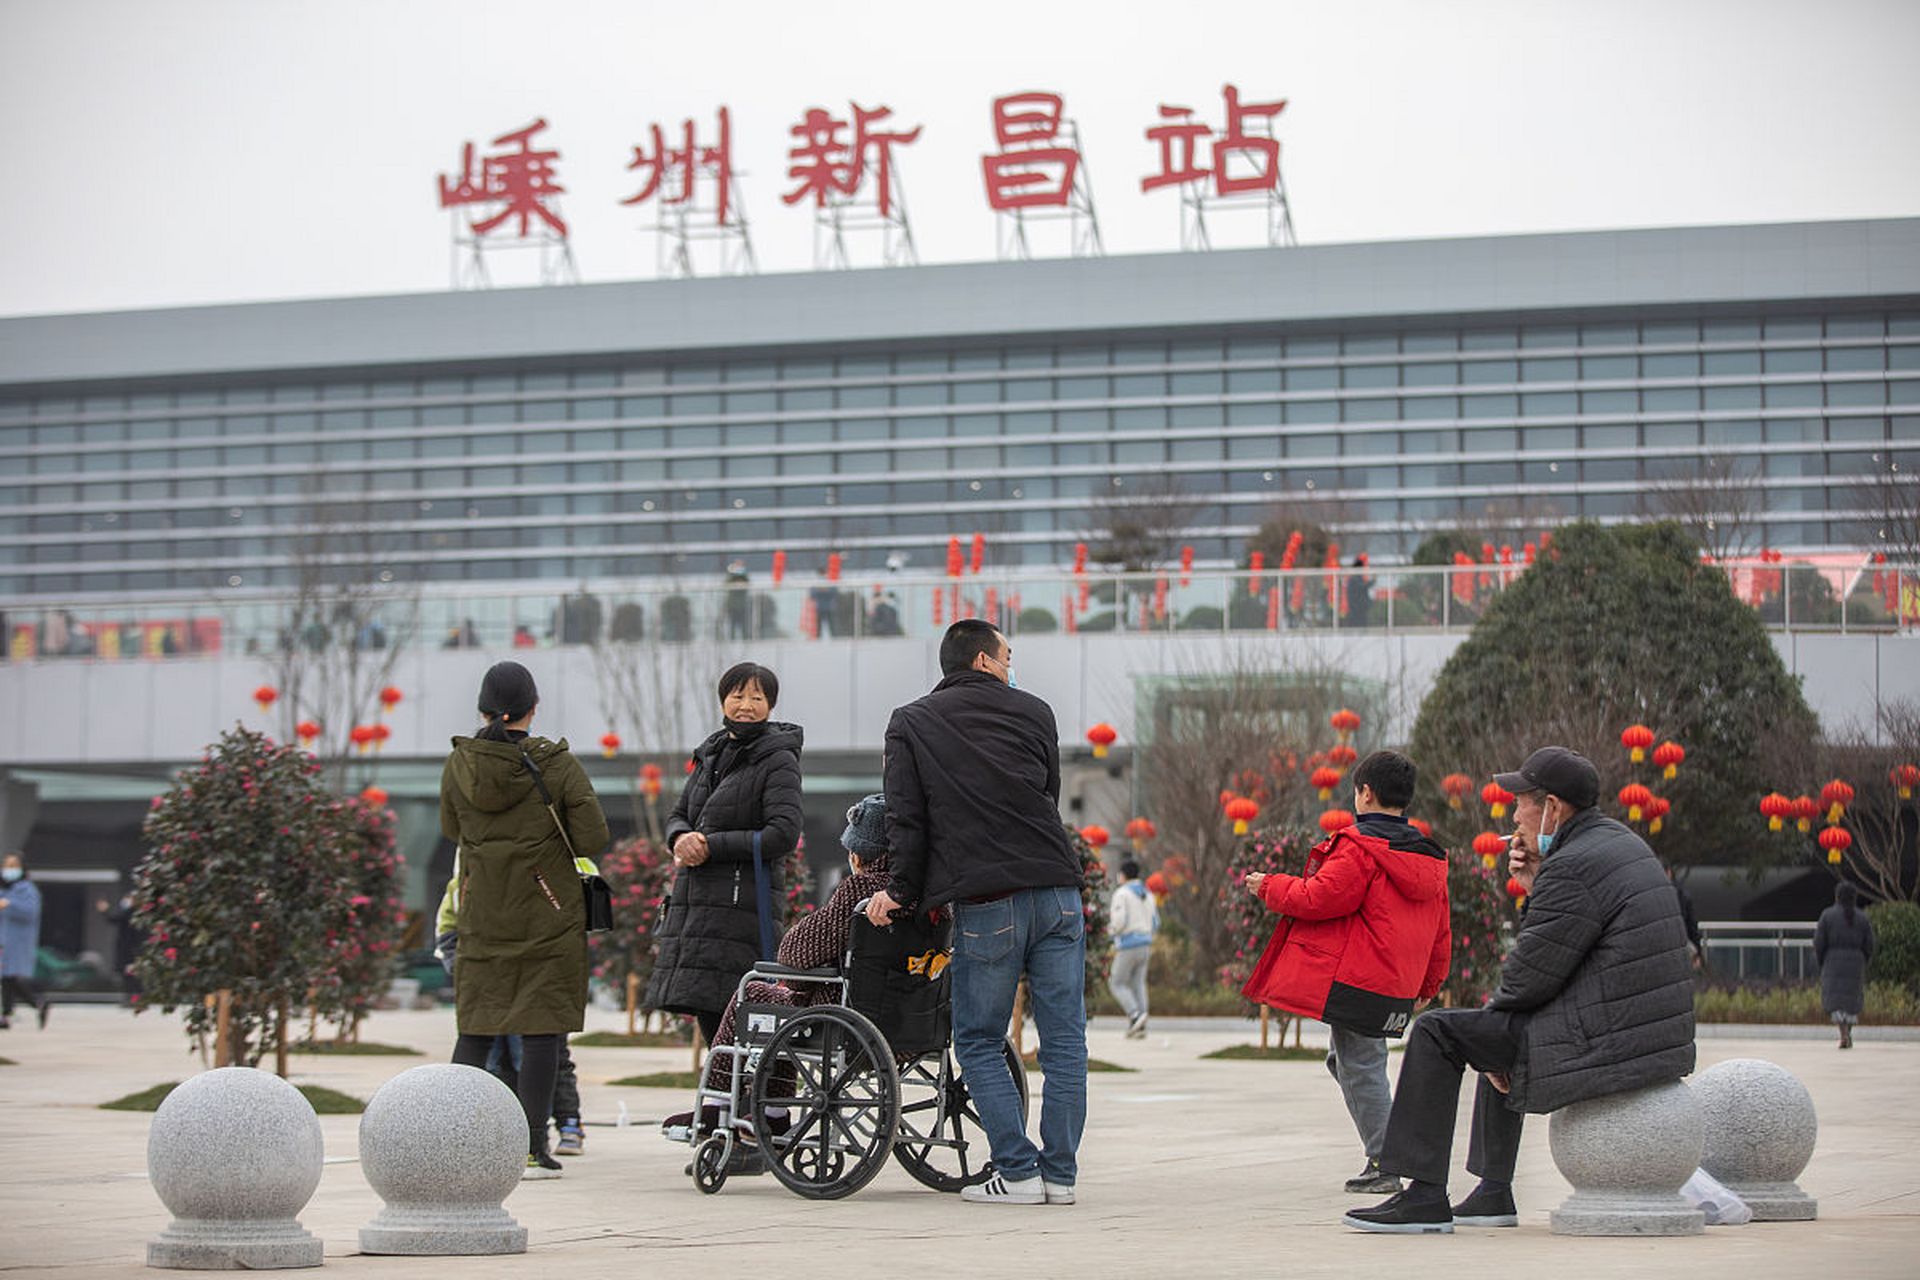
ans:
(709, 933)
(1601, 968)
(1843, 950)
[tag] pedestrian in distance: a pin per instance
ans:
(1133, 920)
(1364, 943)
(520, 809)
(1842, 945)
(972, 781)
(19, 941)
(1595, 997)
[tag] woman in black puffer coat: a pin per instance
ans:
(746, 780)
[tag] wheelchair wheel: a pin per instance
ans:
(710, 1165)
(941, 1141)
(831, 1069)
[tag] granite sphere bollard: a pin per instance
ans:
(1627, 1156)
(443, 1145)
(234, 1154)
(1761, 1128)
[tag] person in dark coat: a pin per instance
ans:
(746, 782)
(1842, 944)
(1595, 997)
(973, 820)
(520, 965)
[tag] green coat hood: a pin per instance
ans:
(489, 774)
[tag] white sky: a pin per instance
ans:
(163, 152)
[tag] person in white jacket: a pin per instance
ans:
(1134, 919)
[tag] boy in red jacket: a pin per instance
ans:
(1363, 944)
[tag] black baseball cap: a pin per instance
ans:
(1558, 772)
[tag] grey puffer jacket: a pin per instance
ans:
(1843, 947)
(1601, 969)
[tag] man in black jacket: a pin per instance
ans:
(1595, 997)
(973, 821)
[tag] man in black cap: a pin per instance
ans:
(1595, 997)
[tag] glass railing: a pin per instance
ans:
(1840, 594)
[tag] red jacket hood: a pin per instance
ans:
(1416, 865)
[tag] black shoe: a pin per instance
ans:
(1372, 1182)
(1405, 1214)
(1487, 1206)
(46, 1007)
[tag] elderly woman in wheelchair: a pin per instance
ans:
(837, 1055)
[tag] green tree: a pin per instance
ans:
(1612, 627)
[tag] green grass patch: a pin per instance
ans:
(1177, 1002)
(353, 1048)
(1032, 1063)
(621, 1040)
(1277, 1053)
(660, 1080)
(328, 1102)
(8, 1062)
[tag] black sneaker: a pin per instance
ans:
(1488, 1206)
(1370, 1181)
(1404, 1214)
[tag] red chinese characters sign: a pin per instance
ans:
(823, 164)
(1032, 170)
(521, 181)
(1181, 139)
(684, 164)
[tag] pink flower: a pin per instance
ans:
(171, 954)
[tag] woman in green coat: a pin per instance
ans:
(520, 967)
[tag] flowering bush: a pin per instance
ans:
(363, 940)
(250, 885)
(1270, 851)
(1095, 894)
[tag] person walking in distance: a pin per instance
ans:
(1133, 920)
(1363, 944)
(19, 940)
(972, 781)
(1842, 945)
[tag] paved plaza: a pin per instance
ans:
(1190, 1167)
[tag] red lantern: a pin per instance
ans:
(1777, 808)
(1097, 836)
(1455, 785)
(1324, 780)
(609, 744)
(374, 796)
(955, 561)
(1186, 566)
(1836, 841)
(1489, 846)
(1496, 798)
(1657, 809)
(1344, 722)
(1079, 558)
(1242, 811)
(978, 558)
(1805, 810)
(1421, 825)
(1904, 777)
(1256, 565)
(779, 572)
(307, 730)
(650, 780)
(833, 567)
(379, 733)
(1515, 889)
(1634, 797)
(1340, 756)
(1836, 795)
(1335, 820)
(362, 736)
(390, 697)
(1157, 885)
(1636, 738)
(266, 695)
(1668, 756)
(1141, 830)
(1102, 736)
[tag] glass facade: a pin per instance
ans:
(661, 467)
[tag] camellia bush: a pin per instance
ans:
(363, 940)
(246, 888)
(1096, 892)
(638, 871)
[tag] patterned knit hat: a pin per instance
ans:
(866, 832)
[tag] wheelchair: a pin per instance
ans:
(865, 1074)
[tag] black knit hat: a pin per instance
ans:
(507, 690)
(866, 832)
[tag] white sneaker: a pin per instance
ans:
(1056, 1193)
(999, 1190)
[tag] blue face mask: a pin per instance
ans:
(11, 874)
(1011, 682)
(1544, 842)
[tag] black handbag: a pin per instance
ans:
(595, 893)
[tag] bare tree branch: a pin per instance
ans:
(1718, 500)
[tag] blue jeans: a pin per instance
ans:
(1042, 933)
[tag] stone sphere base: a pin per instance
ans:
(251, 1245)
(1618, 1213)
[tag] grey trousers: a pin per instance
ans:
(1128, 978)
(1359, 1063)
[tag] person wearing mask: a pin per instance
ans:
(1595, 997)
(1133, 920)
(19, 940)
(1842, 945)
(520, 960)
(972, 779)
(1364, 942)
(744, 791)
